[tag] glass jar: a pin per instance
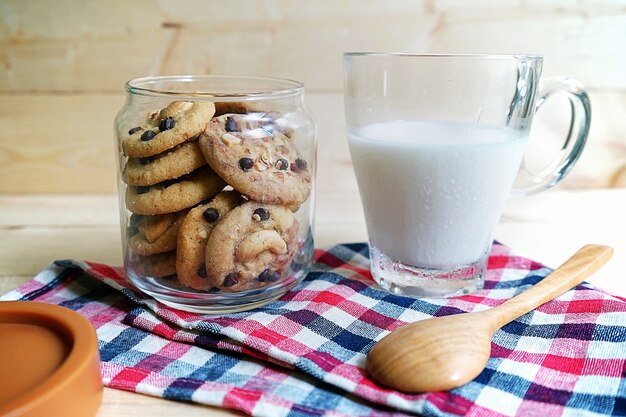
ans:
(216, 189)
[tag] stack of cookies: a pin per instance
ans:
(213, 195)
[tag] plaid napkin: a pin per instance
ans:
(304, 354)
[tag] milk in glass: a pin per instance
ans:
(433, 192)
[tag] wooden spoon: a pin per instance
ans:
(446, 352)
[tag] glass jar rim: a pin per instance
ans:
(437, 55)
(268, 87)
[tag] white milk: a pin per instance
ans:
(433, 192)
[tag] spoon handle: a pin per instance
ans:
(572, 272)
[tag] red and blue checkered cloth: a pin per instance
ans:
(304, 354)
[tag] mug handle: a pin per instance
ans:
(534, 182)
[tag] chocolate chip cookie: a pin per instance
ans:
(173, 163)
(177, 123)
(162, 265)
(253, 156)
(251, 247)
(193, 235)
(152, 227)
(156, 234)
(175, 195)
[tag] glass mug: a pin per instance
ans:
(216, 189)
(437, 143)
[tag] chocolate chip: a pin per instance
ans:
(142, 189)
(246, 163)
(261, 214)
(148, 135)
(167, 124)
(282, 164)
(268, 276)
(202, 271)
(134, 130)
(230, 279)
(211, 215)
(231, 124)
(301, 164)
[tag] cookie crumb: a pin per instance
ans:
(260, 166)
(278, 140)
(230, 140)
(174, 109)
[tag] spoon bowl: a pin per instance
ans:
(443, 353)
(436, 353)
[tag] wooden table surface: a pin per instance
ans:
(35, 230)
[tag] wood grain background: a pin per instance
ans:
(63, 64)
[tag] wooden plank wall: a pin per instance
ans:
(63, 64)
